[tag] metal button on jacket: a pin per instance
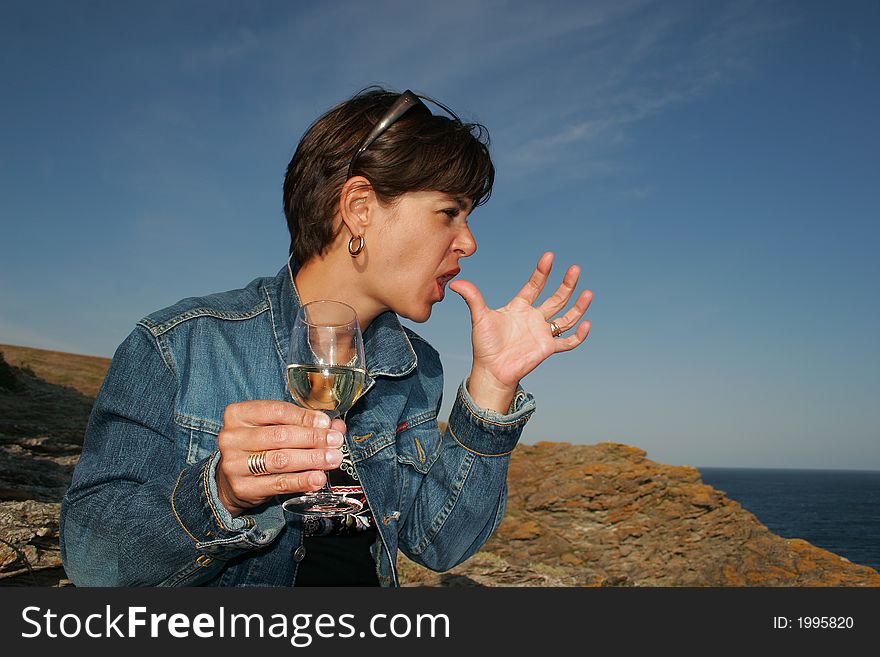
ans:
(299, 553)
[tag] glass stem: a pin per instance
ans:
(326, 488)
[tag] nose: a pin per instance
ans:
(465, 244)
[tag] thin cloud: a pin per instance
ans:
(658, 61)
(586, 131)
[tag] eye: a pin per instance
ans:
(452, 213)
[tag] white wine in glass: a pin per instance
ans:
(326, 371)
(332, 389)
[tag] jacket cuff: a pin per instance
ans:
(196, 506)
(486, 432)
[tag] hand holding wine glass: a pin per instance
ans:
(326, 372)
(293, 444)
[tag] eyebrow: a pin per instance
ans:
(460, 201)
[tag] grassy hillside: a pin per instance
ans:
(82, 373)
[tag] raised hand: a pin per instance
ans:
(511, 341)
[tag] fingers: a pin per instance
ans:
(572, 341)
(278, 436)
(284, 469)
(262, 424)
(574, 314)
(267, 412)
(557, 301)
(280, 461)
(530, 291)
(287, 470)
(471, 295)
(250, 491)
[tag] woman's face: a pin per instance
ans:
(414, 251)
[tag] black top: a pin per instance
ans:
(337, 549)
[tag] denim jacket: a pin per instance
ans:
(143, 508)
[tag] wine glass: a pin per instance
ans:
(326, 371)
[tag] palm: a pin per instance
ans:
(511, 341)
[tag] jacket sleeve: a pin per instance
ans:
(462, 497)
(136, 513)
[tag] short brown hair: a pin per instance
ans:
(419, 152)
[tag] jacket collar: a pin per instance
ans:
(387, 347)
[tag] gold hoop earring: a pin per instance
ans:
(355, 252)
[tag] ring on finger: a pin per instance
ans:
(555, 330)
(257, 463)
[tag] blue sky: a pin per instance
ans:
(708, 165)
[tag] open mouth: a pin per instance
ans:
(444, 279)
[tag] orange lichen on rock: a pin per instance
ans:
(604, 515)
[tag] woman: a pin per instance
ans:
(193, 437)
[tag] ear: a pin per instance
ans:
(356, 201)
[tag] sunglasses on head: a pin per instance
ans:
(405, 102)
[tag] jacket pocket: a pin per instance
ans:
(201, 437)
(418, 441)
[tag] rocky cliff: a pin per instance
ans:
(604, 515)
(578, 515)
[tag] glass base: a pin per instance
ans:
(321, 503)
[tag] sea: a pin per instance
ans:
(838, 510)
